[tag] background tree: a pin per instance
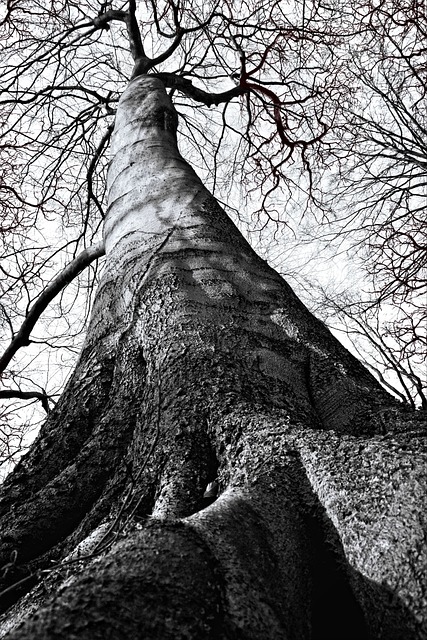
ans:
(370, 192)
(376, 345)
(200, 367)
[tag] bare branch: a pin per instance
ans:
(26, 395)
(185, 86)
(66, 276)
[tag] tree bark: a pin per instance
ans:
(201, 364)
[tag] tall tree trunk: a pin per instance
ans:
(201, 366)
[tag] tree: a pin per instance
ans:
(63, 76)
(218, 464)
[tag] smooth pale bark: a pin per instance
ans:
(201, 363)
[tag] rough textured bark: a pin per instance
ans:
(201, 363)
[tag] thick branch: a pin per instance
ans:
(166, 54)
(27, 395)
(101, 21)
(135, 41)
(91, 195)
(60, 282)
(142, 62)
(186, 87)
(179, 34)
